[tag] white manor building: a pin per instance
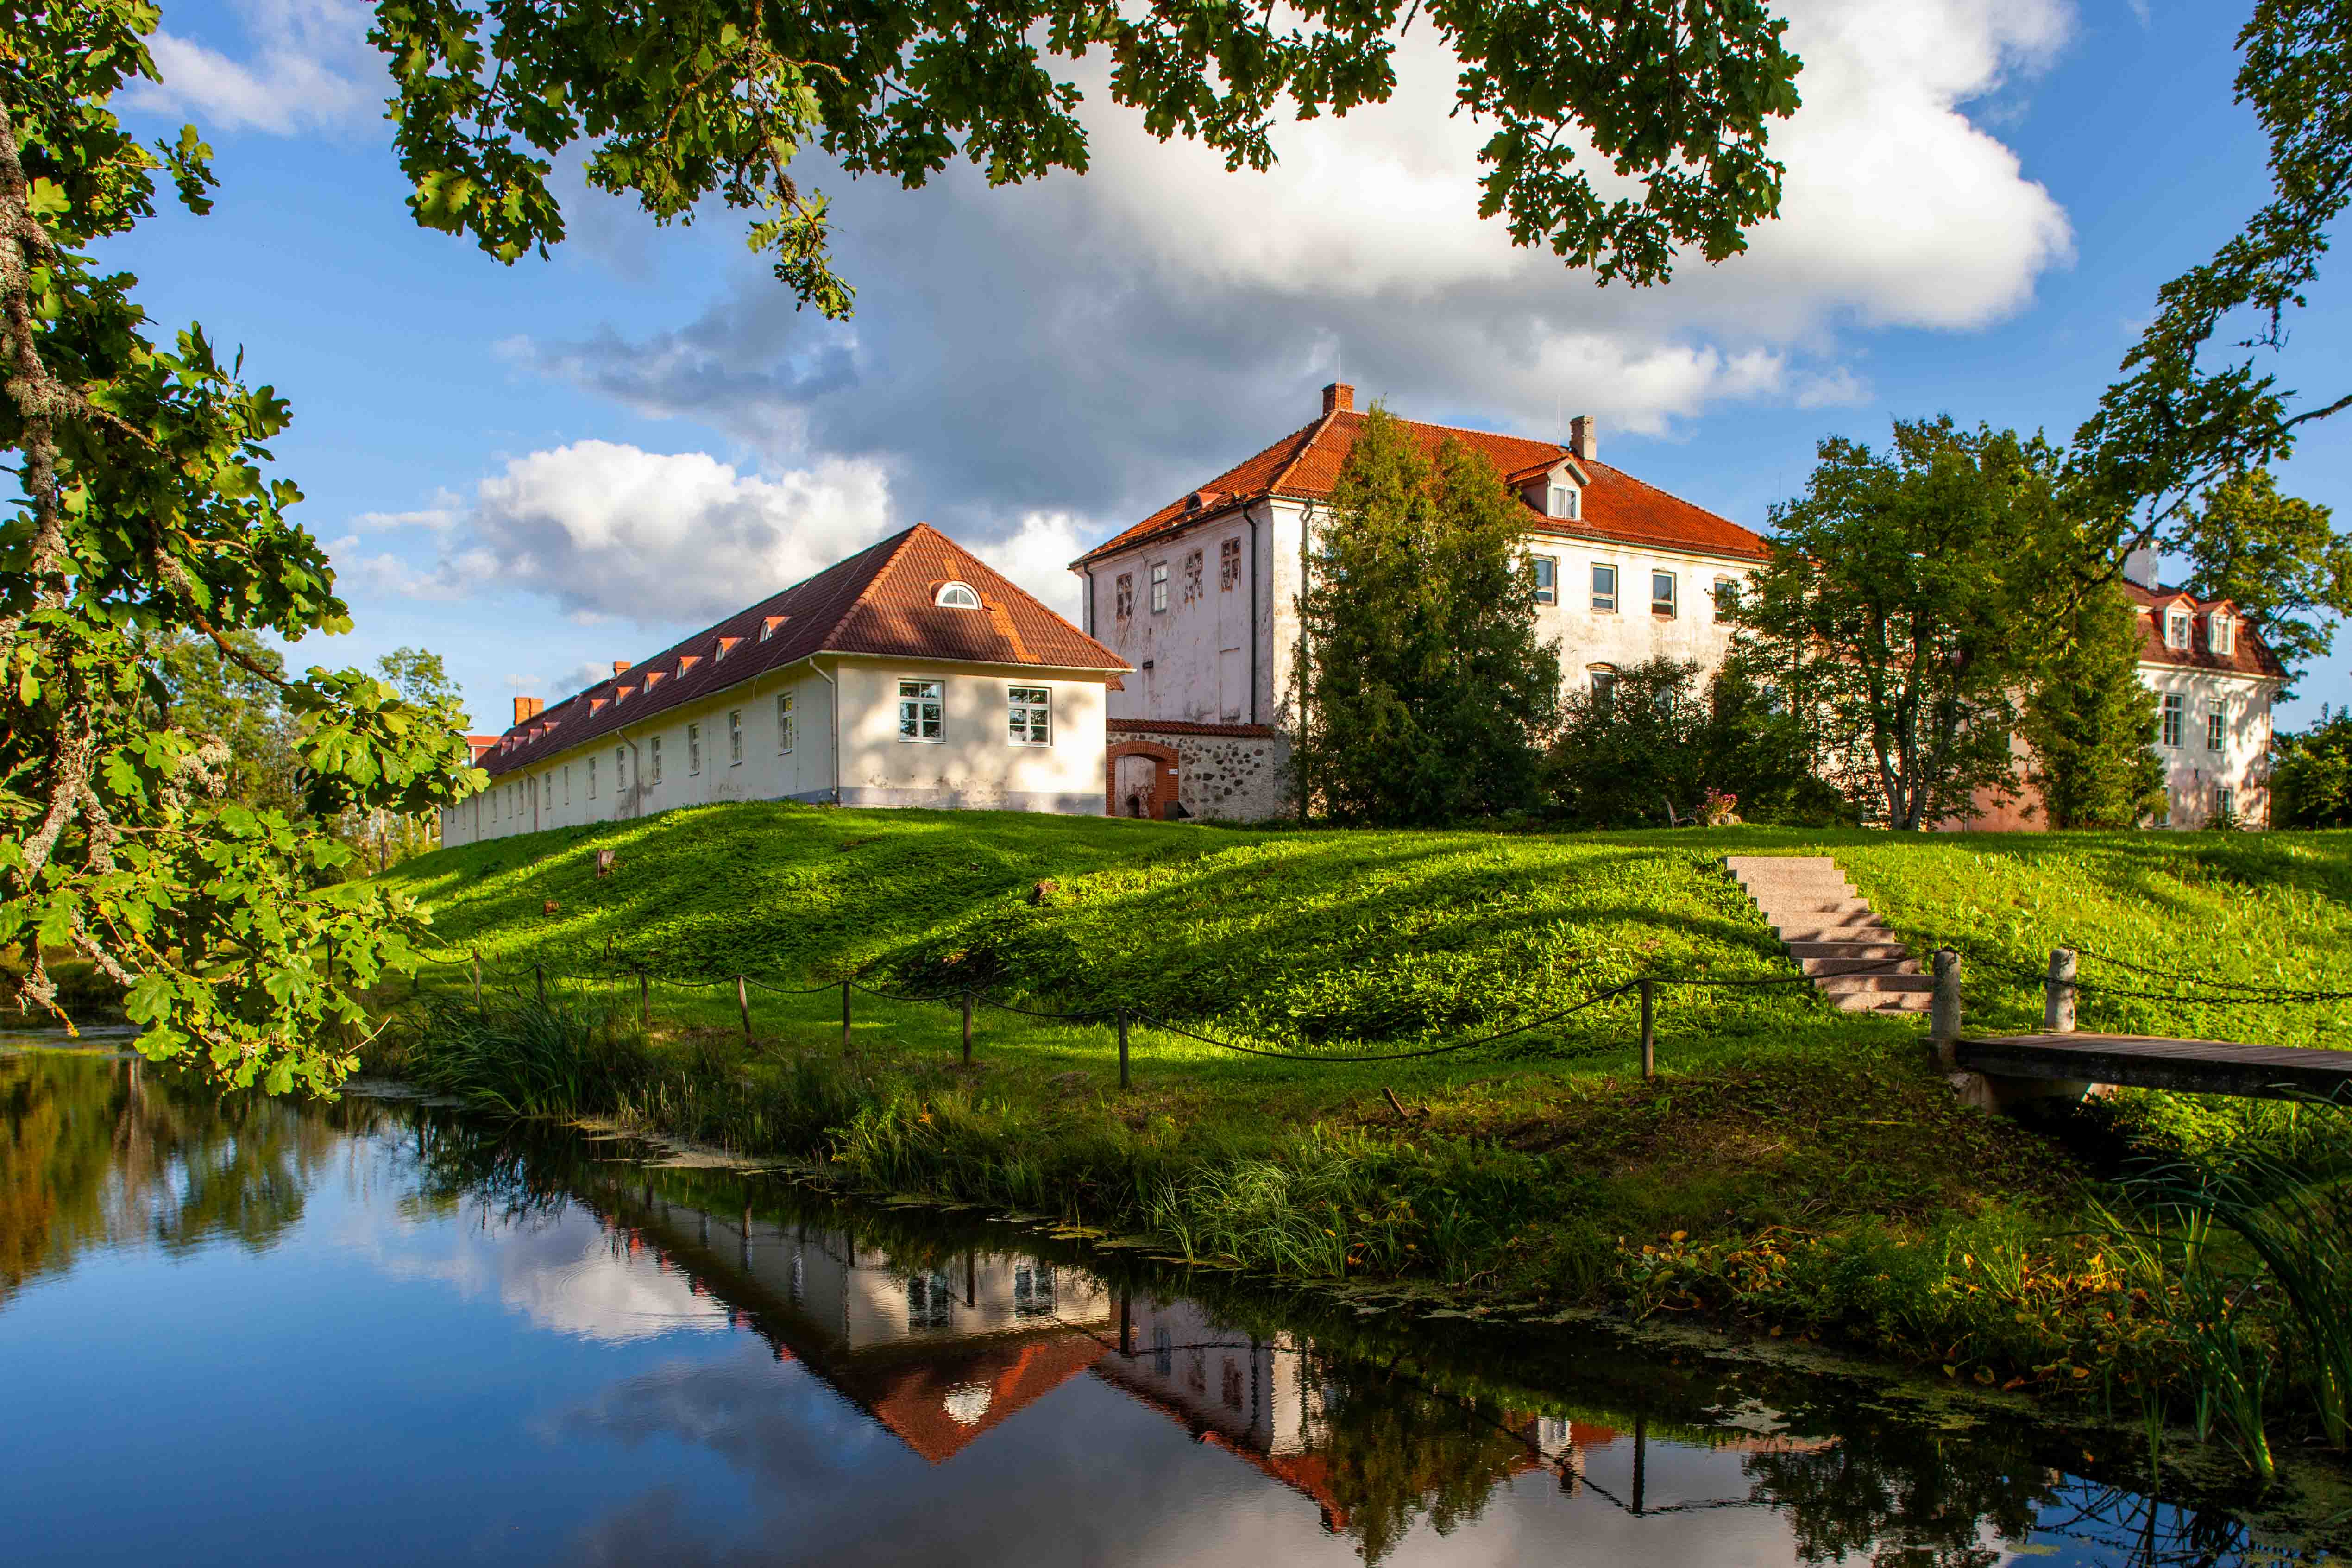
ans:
(1201, 598)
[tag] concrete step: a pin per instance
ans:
(1890, 964)
(1839, 983)
(1806, 929)
(1880, 1001)
(1877, 949)
(1835, 937)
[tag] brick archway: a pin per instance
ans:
(1163, 777)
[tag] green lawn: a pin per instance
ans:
(1791, 1162)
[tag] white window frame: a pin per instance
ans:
(2216, 725)
(784, 723)
(619, 768)
(2225, 800)
(958, 595)
(1160, 587)
(1726, 595)
(922, 705)
(1615, 582)
(567, 784)
(1672, 600)
(1563, 502)
(2176, 714)
(1547, 593)
(693, 749)
(1029, 715)
(1602, 678)
(653, 745)
(735, 737)
(2221, 633)
(592, 778)
(2176, 629)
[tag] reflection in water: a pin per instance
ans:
(686, 1367)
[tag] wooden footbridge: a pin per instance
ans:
(1853, 959)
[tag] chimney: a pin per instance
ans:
(2139, 567)
(1584, 438)
(1338, 398)
(527, 708)
(620, 666)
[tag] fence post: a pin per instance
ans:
(1649, 1028)
(743, 1006)
(645, 1003)
(844, 1014)
(477, 980)
(967, 1025)
(1122, 1060)
(539, 973)
(1944, 1017)
(2058, 992)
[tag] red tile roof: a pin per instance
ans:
(879, 602)
(1192, 726)
(2249, 655)
(1305, 465)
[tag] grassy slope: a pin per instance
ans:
(1778, 1124)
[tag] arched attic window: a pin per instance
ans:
(956, 596)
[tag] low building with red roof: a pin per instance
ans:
(911, 674)
(1200, 597)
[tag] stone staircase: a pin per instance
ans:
(1830, 930)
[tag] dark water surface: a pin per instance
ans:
(374, 1332)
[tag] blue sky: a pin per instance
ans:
(536, 470)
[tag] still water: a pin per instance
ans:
(375, 1332)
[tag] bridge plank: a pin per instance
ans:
(2146, 1061)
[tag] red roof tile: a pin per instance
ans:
(877, 602)
(1190, 727)
(1305, 465)
(2249, 655)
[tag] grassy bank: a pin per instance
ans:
(1792, 1167)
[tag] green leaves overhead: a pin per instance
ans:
(148, 522)
(1625, 131)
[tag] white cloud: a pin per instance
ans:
(606, 530)
(1039, 557)
(439, 518)
(311, 68)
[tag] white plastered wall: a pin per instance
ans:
(1206, 651)
(2193, 772)
(975, 764)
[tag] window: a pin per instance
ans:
(1603, 677)
(2225, 802)
(1031, 712)
(1124, 595)
(1563, 501)
(1228, 565)
(547, 791)
(2221, 633)
(592, 778)
(784, 722)
(1192, 566)
(922, 711)
(2175, 707)
(653, 749)
(735, 737)
(2176, 628)
(1604, 589)
(1662, 592)
(2217, 728)
(956, 596)
(1159, 586)
(620, 765)
(567, 783)
(694, 748)
(1727, 598)
(1546, 571)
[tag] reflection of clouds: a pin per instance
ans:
(564, 1273)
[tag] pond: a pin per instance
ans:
(375, 1331)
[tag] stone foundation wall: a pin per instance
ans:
(1231, 773)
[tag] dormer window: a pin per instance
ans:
(956, 596)
(726, 646)
(2221, 633)
(1564, 504)
(767, 628)
(2176, 628)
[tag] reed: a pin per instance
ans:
(524, 1057)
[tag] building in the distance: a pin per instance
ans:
(910, 674)
(1201, 598)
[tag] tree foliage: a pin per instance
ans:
(1895, 599)
(2088, 718)
(2279, 560)
(680, 102)
(146, 516)
(2311, 782)
(2184, 415)
(1424, 692)
(1649, 745)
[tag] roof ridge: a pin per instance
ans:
(1314, 434)
(897, 548)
